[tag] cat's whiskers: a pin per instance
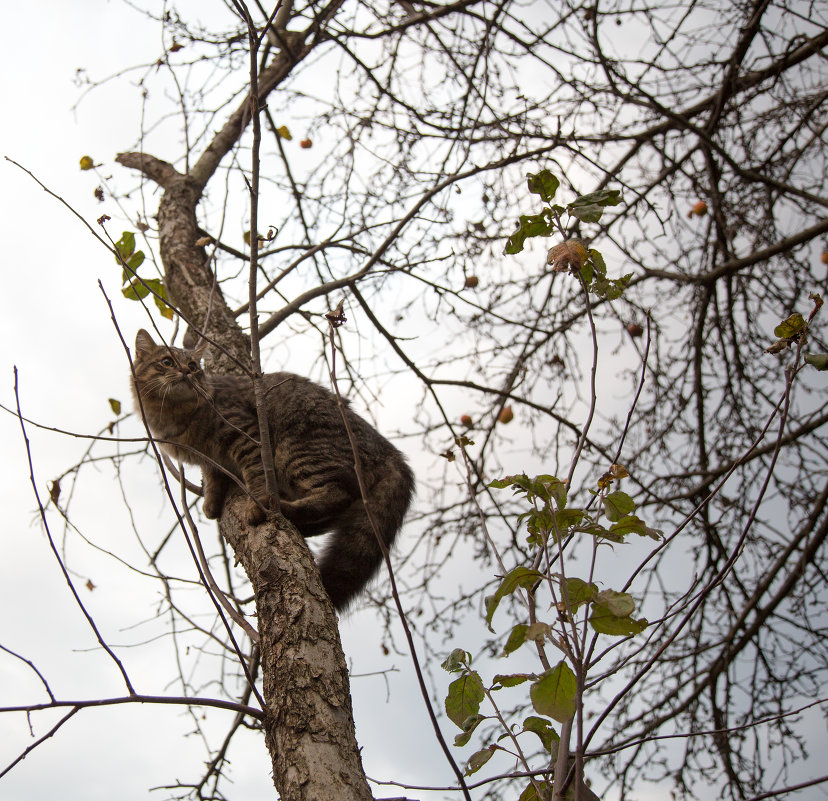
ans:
(164, 398)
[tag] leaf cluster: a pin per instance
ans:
(794, 331)
(586, 208)
(571, 254)
(554, 693)
(135, 288)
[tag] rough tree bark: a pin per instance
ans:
(309, 728)
(309, 722)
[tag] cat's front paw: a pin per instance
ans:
(254, 513)
(211, 508)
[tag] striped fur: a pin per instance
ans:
(210, 420)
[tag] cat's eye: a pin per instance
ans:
(167, 362)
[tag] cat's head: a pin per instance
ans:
(165, 372)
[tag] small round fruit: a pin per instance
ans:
(824, 257)
(506, 415)
(466, 420)
(305, 143)
(635, 330)
(699, 209)
(472, 281)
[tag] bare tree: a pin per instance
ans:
(376, 155)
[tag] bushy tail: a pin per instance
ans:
(352, 556)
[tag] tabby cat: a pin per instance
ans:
(210, 420)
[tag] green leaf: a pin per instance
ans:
(135, 261)
(619, 285)
(544, 184)
(603, 622)
(531, 794)
(509, 680)
(456, 660)
(553, 694)
(469, 725)
(464, 696)
(529, 225)
(463, 738)
(135, 290)
(514, 244)
(590, 213)
(479, 759)
(543, 729)
(579, 592)
(603, 197)
(125, 246)
(161, 297)
(539, 520)
(566, 518)
(516, 638)
(818, 360)
(519, 577)
(793, 326)
(501, 483)
(620, 604)
(115, 405)
(610, 288)
(156, 285)
(598, 261)
(550, 489)
(597, 530)
(635, 525)
(611, 614)
(618, 504)
(546, 487)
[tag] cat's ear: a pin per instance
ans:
(143, 341)
(190, 339)
(201, 349)
(195, 343)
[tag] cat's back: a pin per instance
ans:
(294, 403)
(302, 410)
(298, 403)
(226, 390)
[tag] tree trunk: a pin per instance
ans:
(309, 728)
